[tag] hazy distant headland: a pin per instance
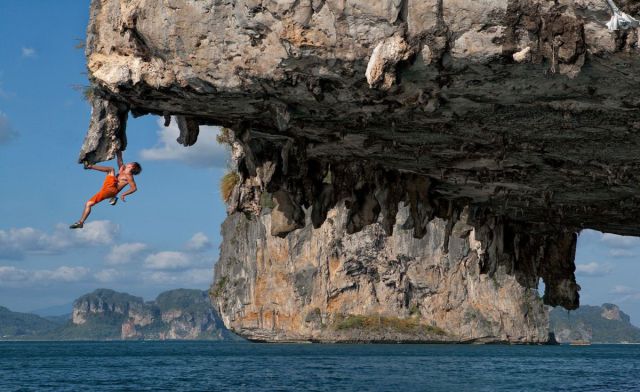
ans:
(595, 324)
(104, 314)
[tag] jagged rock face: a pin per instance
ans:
(612, 312)
(528, 108)
(327, 285)
(107, 302)
(176, 314)
(373, 195)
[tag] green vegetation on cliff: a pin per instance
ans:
(15, 324)
(382, 323)
(111, 297)
(99, 327)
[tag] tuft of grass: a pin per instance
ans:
(217, 290)
(434, 330)
(353, 321)
(227, 183)
(381, 323)
(414, 310)
(87, 92)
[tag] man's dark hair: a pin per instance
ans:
(136, 168)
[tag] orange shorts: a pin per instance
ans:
(109, 189)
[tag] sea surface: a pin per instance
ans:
(211, 366)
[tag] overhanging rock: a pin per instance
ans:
(522, 112)
(107, 131)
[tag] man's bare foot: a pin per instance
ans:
(77, 225)
(113, 201)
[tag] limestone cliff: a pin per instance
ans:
(326, 285)
(520, 115)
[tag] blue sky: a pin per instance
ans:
(167, 234)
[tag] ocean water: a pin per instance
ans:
(210, 366)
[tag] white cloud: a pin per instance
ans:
(593, 269)
(198, 242)
(620, 246)
(16, 242)
(619, 241)
(207, 152)
(192, 277)
(167, 260)
(28, 52)
(6, 131)
(616, 252)
(10, 274)
(101, 232)
(125, 253)
(62, 274)
(108, 275)
(628, 294)
(620, 289)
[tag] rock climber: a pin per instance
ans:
(112, 186)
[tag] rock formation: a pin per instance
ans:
(595, 324)
(175, 314)
(326, 285)
(521, 115)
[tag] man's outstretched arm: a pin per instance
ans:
(132, 188)
(119, 156)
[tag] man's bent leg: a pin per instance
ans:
(106, 169)
(87, 211)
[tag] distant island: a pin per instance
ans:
(593, 324)
(105, 314)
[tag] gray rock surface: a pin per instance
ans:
(107, 130)
(550, 137)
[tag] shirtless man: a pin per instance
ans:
(112, 186)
